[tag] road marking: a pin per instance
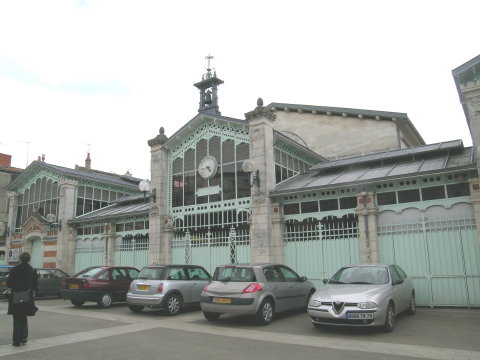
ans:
(185, 323)
(76, 338)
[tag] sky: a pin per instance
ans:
(103, 76)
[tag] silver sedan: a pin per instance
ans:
(363, 295)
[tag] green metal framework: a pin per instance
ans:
(42, 193)
(212, 190)
(212, 231)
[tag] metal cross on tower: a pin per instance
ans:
(209, 57)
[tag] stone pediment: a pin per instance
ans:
(36, 222)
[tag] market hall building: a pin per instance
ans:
(309, 186)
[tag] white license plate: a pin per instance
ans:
(360, 316)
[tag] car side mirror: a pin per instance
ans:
(397, 282)
(303, 278)
(325, 281)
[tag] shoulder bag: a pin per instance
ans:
(21, 297)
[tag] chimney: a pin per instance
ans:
(5, 160)
(88, 162)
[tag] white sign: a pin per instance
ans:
(13, 255)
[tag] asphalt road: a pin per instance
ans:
(61, 331)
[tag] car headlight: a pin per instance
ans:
(367, 305)
(314, 303)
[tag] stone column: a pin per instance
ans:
(265, 243)
(158, 232)
(367, 213)
(11, 219)
(278, 226)
(66, 211)
(109, 235)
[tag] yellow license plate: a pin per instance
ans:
(143, 287)
(222, 300)
(74, 286)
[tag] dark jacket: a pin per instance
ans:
(22, 277)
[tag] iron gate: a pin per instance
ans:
(89, 252)
(132, 250)
(317, 248)
(441, 255)
(211, 248)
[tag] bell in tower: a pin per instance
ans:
(208, 98)
(208, 90)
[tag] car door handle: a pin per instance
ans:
(194, 283)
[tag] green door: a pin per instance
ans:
(36, 257)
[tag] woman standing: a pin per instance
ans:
(22, 277)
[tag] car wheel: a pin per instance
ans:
(77, 303)
(412, 308)
(172, 305)
(264, 314)
(136, 308)
(389, 318)
(105, 300)
(210, 316)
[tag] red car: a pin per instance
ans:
(101, 284)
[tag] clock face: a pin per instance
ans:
(208, 167)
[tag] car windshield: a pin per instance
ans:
(234, 273)
(152, 273)
(88, 273)
(360, 275)
(4, 273)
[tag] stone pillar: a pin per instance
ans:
(69, 248)
(367, 213)
(158, 232)
(109, 235)
(278, 227)
(265, 243)
(66, 211)
(475, 200)
(11, 219)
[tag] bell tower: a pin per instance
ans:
(208, 90)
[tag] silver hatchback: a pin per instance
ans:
(167, 287)
(259, 289)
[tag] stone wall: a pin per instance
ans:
(335, 136)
